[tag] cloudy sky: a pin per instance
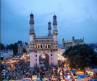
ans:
(75, 18)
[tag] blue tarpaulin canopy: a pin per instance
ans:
(81, 76)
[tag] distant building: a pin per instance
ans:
(43, 50)
(4, 54)
(73, 42)
(21, 47)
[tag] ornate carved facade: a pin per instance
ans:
(43, 49)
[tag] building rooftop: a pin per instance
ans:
(43, 37)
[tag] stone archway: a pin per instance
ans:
(44, 60)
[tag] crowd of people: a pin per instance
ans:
(22, 70)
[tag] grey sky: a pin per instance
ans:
(75, 18)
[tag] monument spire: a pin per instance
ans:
(55, 30)
(31, 22)
(49, 28)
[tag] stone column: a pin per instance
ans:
(38, 59)
(55, 58)
(32, 59)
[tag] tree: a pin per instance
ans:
(24, 50)
(81, 56)
(13, 47)
(2, 47)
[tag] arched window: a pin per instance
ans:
(41, 45)
(49, 46)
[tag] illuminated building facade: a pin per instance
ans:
(73, 42)
(43, 50)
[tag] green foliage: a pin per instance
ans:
(2, 47)
(81, 56)
(13, 47)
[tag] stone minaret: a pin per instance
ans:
(55, 30)
(32, 32)
(49, 29)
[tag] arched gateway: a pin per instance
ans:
(43, 50)
(44, 60)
